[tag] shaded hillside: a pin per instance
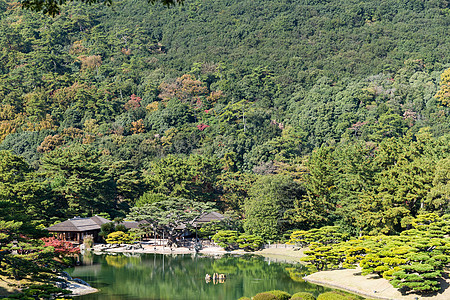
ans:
(218, 93)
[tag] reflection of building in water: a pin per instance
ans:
(222, 278)
(216, 278)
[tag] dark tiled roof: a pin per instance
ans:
(134, 224)
(99, 220)
(130, 224)
(212, 216)
(79, 224)
(180, 227)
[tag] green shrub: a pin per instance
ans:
(337, 295)
(249, 242)
(265, 296)
(303, 296)
(108, 228)
(226, 239)
(68, 260)
(46, 291)
(244, 298)
(211, 228)
(121, 227)
(275, 294)
(325, 235)
(281, 295)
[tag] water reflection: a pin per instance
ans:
(216, 278)
(173, 277)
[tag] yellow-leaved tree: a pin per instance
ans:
(443, 94)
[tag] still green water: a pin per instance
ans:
(182, 277)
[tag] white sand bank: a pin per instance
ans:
(369, 286)
(282, 254)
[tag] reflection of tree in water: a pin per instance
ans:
(296, 274)
(254, 266)
(183, 277)
(224, 266)
(88, 257)
(120, 261)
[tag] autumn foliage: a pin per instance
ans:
(133, 103)
(63, 248)
(186, 88)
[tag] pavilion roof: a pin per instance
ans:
(99, 220)
(208, 217)
(130, 224)
(78, 224)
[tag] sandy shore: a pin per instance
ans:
(282, 254)
(369, 286)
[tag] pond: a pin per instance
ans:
(182, 277)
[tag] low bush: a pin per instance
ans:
(302, 296)
(226, 239)
(230, 240)
(37, 291)
(265, 296)
(275, 294)
(281, 295)
(249, 242)
(337, 295)
(244, 298)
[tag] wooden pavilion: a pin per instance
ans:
(208, 217)
(76, 229)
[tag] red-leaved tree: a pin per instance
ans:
(63, 248)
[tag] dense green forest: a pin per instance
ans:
(294, 115)
(282, 114)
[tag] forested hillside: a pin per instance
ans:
(293, 114)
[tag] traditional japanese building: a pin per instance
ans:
(76, 229)
(208, 217)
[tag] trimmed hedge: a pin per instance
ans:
(303, 296)
(265, 296)
(337, 295)
(273, 295)
(281, 295)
